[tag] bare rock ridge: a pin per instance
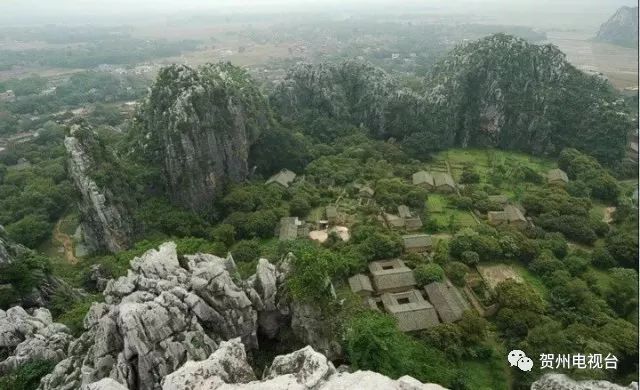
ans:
(28, 337)
(621, 29)
(563, 382)
(305, 369)
(198, 125)
(106, 221)
(167, 324)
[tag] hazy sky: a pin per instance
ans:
(529, 12)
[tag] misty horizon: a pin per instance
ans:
(539, 14)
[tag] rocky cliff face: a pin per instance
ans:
(350, 91)
(9, 250)
(107, 222)
(621, 29)
(164, 313)
(198, 125)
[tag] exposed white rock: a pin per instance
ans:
(304, 369)
(107, 224)
(104, 384)
(563, 382)
(26, 337)
(157, 317)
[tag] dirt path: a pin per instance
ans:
(608, 214)
(67, 243)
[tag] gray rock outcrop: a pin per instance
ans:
(563, 382)
(621, 28)
(27, 337)
(198, 125)
(157, 317)
(304, 369)
(106, 221)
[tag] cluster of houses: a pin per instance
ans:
(405, 219)
(392, 288)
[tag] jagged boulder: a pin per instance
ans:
(563, 382)
(107, 222)
(198, 125)
(311, 326)
(269, 298)
(155, 318)
(27, 337)
(304, 369)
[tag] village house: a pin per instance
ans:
(417, 243)
(557, 177)
(411, 223)
(284, 178)
(393, 221)
(289, 228)
(443, 182)
(391, 276)
(360, 284)
(511, 215)
(410, 309)
(423, 179)
(447, 300)
(364, 191)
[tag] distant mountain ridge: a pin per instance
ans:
(621, 29)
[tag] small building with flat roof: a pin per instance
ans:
(360, 284)
(557, 176)
(284, 178)
(423, 179)
(417, 243)
(391, 276)
(447, 300)
(410, 309)
(443, 182)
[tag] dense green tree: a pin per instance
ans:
(457, 272)
(428, 273)
(624, 248)
(374, 343)
(30, 231)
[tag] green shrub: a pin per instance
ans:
(428, 273)
(245, 251)
(27, 376)
(373, 342)
(457, 272)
